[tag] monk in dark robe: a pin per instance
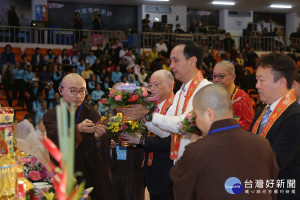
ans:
(223, 163)
(91, 146)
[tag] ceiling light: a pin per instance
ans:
(227, 3)
(280, 6)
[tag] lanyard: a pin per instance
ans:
(223, 129)
(77, 118)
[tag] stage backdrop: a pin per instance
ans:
(23, 10)
(113, 17)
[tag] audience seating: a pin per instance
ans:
(4, 102)
(19, 115)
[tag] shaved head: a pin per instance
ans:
(71, 78)
(216, 97)
(161, 84)
(227, 65)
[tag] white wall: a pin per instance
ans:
(234, 25)
(292, 22)
(181, 11)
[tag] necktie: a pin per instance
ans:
(264, 119)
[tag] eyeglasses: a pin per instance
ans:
(75, 92)
(157, 85)
(220, 76)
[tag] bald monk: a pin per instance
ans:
(91, 146)
(225, 151)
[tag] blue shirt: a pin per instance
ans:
(28, 76)
(18, 74)
(116, 76)
(75, 61)
(90, 59)
(97, 95)
(92, 85)
(57, 75)
(39, 115)
(51, 94)
(80, 68)
(36, 106)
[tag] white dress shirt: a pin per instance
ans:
(161, 47)
(24, 128)
(172, 123)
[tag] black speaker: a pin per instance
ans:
(164, 19)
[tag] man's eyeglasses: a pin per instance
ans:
(75, 92)
(220, 76)
(153, 85)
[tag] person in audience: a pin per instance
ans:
(161, 47)
(137, 67)
(44, 76)
(13, 20)
(227, 164)
(7, 58)
(74, 49)
(91, 145)
(88, 100)
(105, 56)
(228, 42)
(146, 23)
(37, 104)
(50, 57)
(153, 54)
(81, 67)
(49, 92)
(123, 51)
(97, 21)
(65, 60)
(40, 112)
(124, 79)
(116, 75)
(8, 82)
(19, 84)
(76, 58)
(130, 58)
(142, 76)
(84, 46)
(252, 56)
(97, 94)
(55, 101)
(25, 127)
(278, 121)
(29, 76)
(77, 25)
(34, 92)
(91, 58)
(109, 67)
(178, 29)
(106, 84)
(92, 84)
(296, 87)
(87, 73)
(37, 59)
(57, 76)
(233, 53)
(240, 60)
(98, 51)
(224, 74)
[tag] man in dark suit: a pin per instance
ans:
(279, 121)
(218, 164)
(37, 59)
(157, 149)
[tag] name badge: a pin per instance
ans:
(121, 153)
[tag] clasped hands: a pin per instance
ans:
(88, 126)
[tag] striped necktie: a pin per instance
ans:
(264, 119)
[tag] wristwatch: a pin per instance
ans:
(148, 116)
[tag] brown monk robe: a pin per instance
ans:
(93, 162)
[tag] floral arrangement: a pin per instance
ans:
(116, 125)
(35, 170)
(188, 125)
(127, 94)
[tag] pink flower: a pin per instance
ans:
(125, 126)
(111, 92)
(120, 128)
(118, 98)
(145, 93)
(34, 175)
(144, 89)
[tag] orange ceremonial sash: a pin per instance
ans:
(163, 111)
(283, 104)
(176, 138)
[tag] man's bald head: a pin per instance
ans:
(165, 75)
(227, 65)
(215, 97)
(71, 78)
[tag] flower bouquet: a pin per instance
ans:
(188, 125)
(35, 170)
(116, 125)
(127, 94)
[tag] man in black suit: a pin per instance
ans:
(157, 149)
(37, 59)
(279, 121)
